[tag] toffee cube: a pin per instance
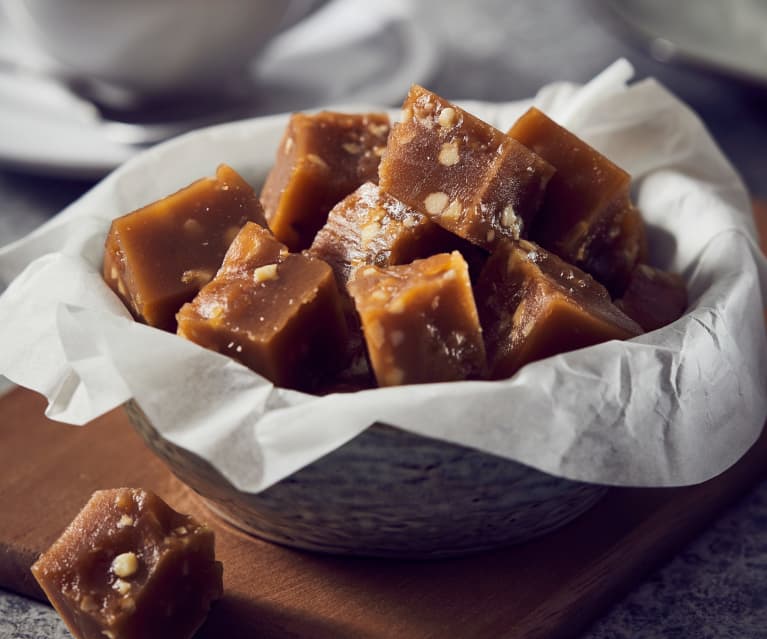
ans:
(534, 305)
(466, 175)
(586, 203)
(372, 227)
(419, 321)
(321, 159)
(158, 257)
(654, 298)
(130, 567)
(278, 313)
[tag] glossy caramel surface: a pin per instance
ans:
(613, 254)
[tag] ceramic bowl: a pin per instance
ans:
(388, 493)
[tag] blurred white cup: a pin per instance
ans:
(154, 47)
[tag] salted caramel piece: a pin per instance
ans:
(158, 257)
(372, 227)
(420, 321)
(278, 313)
(321, 159)
(131, 567)
(587, 201)
(467, 176)
(533, 305)
(654, 298)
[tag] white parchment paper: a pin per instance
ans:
(672, 407)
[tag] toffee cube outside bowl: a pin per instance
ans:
(388, 493)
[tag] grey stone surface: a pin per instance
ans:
(22, 618)
(502, 50)
(716, 588)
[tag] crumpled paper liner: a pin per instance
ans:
(672, 407)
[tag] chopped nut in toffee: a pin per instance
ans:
(533, 305)
(158, 257)
(467, 176)
(108, 579)
(278, 313)
(322, 158)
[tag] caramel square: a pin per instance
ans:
(158, 257)
(277, 312)
(534, 305)
(613, 254)
(464, 174)
(321, 159)
(419, 321)
(587, 206)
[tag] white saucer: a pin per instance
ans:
(728, 36)
(341, 54)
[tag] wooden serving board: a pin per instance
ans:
(551, 587)
(548, 588)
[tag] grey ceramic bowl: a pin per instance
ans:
(389, 493)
